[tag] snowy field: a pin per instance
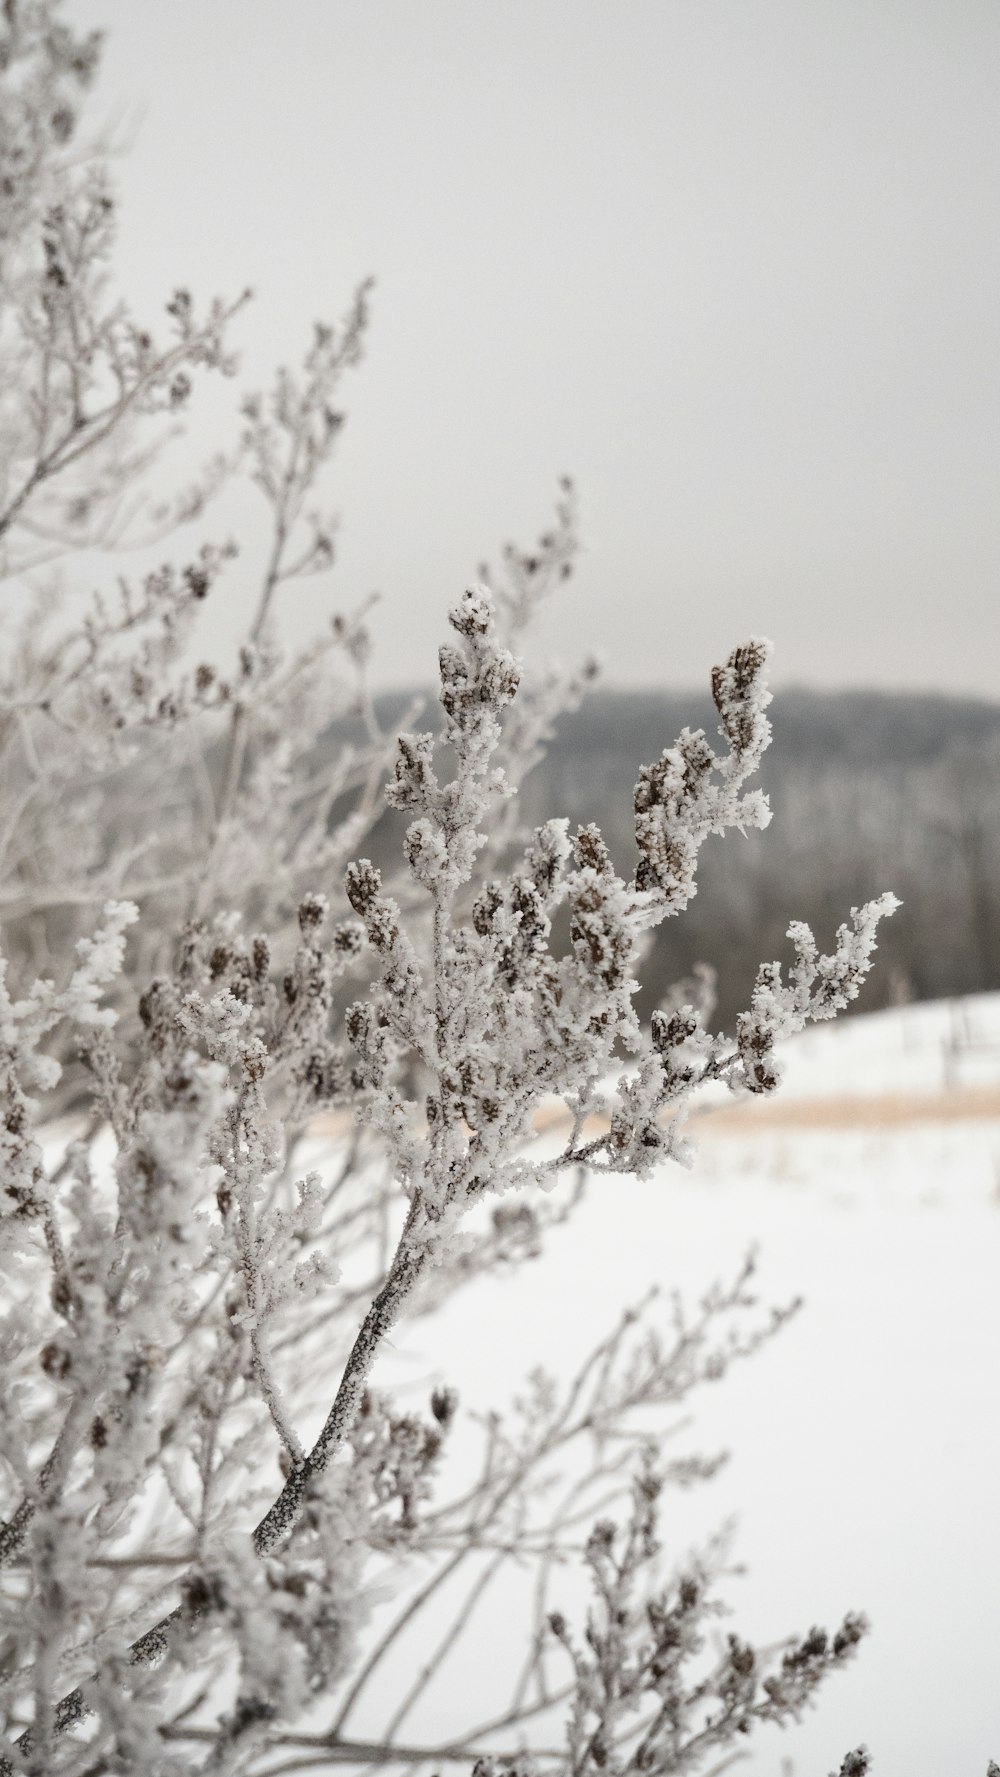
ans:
(865, 1440)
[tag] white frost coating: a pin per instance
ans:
(501, 1022)
(196, 1478)
(472, 1022)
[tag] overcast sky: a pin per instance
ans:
(732, 263)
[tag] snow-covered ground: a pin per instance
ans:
(921, 1048)
(865, 1440)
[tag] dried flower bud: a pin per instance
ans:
(312, 913)
(444, 1404)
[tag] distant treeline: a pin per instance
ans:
(869, 791)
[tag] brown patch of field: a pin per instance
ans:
(742, 1116)
(746, 1116)
(954, 1104)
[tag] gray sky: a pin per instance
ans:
(732, 265)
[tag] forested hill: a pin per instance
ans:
(866, 728)
(870, 790)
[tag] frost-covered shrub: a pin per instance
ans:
(260, 1100)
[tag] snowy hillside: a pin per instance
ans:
(912, 1049)
(865, 1440)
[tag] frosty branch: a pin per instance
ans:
(262, 1098)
